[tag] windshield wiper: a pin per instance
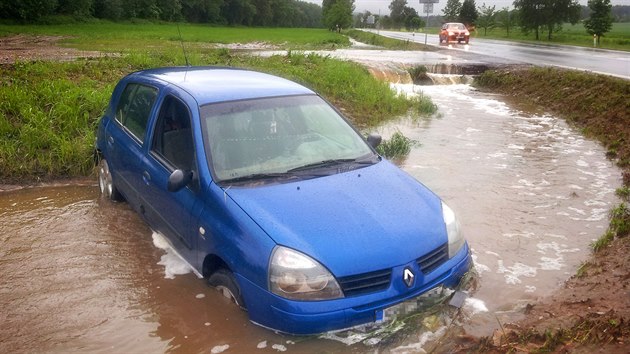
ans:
(255, 176)
(333, 162)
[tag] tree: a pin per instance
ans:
(28, 10)
(338, 15)
(505, 19)
(397, 12)
(601, 18)
(450, 13)
(550, 14)
(487, 18)
(468, 14)
(77, 8)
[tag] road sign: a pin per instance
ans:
(429, 1)
(427, 8)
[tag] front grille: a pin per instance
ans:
(365, 283)
(434, 259)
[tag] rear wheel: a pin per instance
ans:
(223, 280)
(105, 182)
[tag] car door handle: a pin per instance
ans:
(146, 177)
(110, 140)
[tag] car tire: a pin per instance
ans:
(223, 280)
(105, 182)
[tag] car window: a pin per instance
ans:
(456, 26)
(275, 135)
(134, 108)
(173, 140)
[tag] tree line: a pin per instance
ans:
(272, 13)
(538, 16)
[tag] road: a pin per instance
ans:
(609, 62)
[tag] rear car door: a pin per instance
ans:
(126, 138)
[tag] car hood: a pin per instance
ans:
(367, 219)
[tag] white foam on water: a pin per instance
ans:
(262, 345)
(279, 347)
(513, 273)
(220, 349)
(171, 260)
(473, 306)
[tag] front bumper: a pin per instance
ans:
(312, 317)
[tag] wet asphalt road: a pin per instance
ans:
(609, 62)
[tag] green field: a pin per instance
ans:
(618, 38)
(110, 36)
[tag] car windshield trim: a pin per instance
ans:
(335, 162)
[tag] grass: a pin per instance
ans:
(618, 38)
(49, 110)
(123, 37)
(396, 147)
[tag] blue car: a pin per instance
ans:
(273, 197)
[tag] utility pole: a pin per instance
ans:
(427, 8)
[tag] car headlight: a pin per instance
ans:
(455, 236)
(294, 275)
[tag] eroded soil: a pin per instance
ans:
(24, 47)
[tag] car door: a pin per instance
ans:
(126, 138)
(172, 147)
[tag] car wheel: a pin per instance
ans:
(105, 182)
(223, 280)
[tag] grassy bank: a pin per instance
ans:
(49, 110)
(385, 42)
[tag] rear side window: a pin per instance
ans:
(135, 107)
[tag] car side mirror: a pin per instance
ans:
(374, 140)
(178, 180)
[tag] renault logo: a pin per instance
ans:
(408, 277)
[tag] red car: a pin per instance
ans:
(453, 31)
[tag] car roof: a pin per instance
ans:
(209, 84)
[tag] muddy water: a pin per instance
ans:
(82, 274)
(531, 193)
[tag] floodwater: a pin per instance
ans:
(82, 274)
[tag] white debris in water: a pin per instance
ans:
(279, 347)
(200, 296)
(207, 324)
(582, 163)
(473, 306)
(172, 262)
(512, 274)
(220, 349)
(425, 337)
(530, 288)
(262, 345)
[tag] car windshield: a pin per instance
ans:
(277, 136)
(456, 26)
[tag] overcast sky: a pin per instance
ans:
(375, 5)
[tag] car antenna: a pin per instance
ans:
(181, 41)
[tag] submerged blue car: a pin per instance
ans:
(269, 193)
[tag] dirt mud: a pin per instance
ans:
(24, 47)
